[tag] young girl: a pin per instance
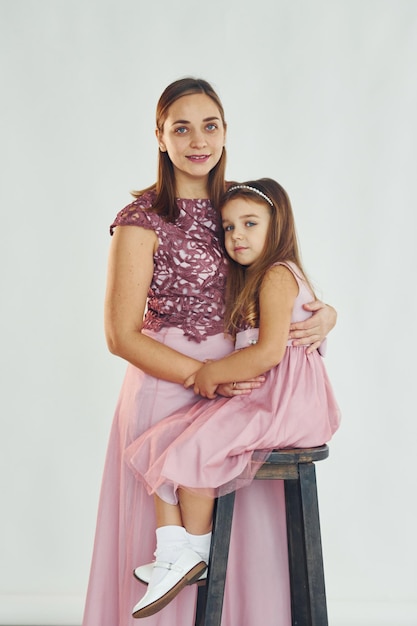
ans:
(166, 260)
(217, 446)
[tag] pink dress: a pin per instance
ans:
(185, 312)
(217, 445)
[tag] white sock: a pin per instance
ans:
(170, 540)
(201, 545)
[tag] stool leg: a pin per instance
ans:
(201, 605)
(308, 596)
(219, 553)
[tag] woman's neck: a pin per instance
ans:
(191, 187)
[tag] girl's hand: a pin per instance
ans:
(189, 382)
(205, 391)
(314, 329)
(202, 384)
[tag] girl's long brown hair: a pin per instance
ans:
(165, 204)
(244, 283)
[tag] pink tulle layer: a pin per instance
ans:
(217, 446)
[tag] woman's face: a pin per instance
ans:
(246, 225)
(194, 136)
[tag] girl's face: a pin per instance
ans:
(245, 224)
(194, 136)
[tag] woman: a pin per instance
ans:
(166, 259)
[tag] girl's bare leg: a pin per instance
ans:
(196, 512)
(167, 514)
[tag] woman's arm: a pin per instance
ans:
(276, 300)
(316, 328)
(129, 277)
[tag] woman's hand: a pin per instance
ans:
(314, 329)
(241, 388)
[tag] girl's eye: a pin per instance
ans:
(250, 224)
(228, 228)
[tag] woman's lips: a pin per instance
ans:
(198, 158)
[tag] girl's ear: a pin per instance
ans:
(161, 144)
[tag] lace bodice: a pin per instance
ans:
(187, 289)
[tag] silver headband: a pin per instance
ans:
(260, 193)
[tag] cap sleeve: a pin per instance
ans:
(137, 214)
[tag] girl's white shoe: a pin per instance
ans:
(187, 568)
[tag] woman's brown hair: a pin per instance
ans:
(244, 283)
(165, 204)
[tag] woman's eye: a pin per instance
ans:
(211, 127)
(181, 130)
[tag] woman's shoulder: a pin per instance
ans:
(137, 213)
(144, 199)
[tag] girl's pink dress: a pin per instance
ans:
(217, 445)
(185, 311)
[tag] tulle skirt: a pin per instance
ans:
(217, 446)
(257, 585)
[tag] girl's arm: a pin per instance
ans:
(314, 329)
(129, 277)
(276, 300)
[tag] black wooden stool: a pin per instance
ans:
(308, 596)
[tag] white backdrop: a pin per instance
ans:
(319, 95)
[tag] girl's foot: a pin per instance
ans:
(186, 569)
